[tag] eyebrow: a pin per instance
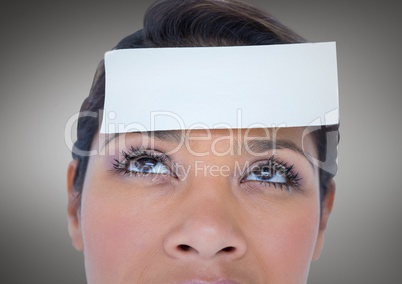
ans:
(174, 136)
(255, 145)
(263, 145)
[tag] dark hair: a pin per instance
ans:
(191, 23)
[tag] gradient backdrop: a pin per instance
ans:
(49, 52)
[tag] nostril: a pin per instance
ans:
(184, 247)
(187, 248)
(229, 249)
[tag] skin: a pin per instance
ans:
(208, 221)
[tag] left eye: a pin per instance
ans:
(147, 165)
(268, 174)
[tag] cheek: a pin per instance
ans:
(119, 238)
(287, 243)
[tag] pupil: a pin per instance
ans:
(264, 172)
(145, 164)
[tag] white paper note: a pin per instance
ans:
(286, 85)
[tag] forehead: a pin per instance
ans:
(291, 133)
(297, 139)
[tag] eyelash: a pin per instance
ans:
(135, 154)
(273, 164)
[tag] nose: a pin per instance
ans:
(207, 227)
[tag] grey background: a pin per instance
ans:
(49, 52)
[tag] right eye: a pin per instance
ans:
(143, 162)
(146, 165)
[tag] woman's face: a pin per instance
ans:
(217, 206)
